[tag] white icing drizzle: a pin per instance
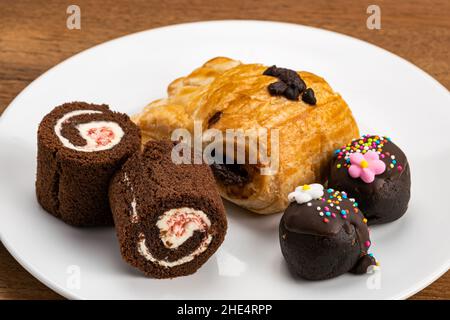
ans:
(143, 250)
(84, 128)
(134, 213)
(178, 225)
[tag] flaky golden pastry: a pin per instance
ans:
(308, 135)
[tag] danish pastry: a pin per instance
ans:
(80, 147)
(310, 119)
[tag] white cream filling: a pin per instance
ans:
(134, 214)
(94, 142)
(178, 225)
(143, 250)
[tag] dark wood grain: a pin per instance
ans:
(34, 37)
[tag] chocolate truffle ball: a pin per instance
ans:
(376, 172)
(323, 234)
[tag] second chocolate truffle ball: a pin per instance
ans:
(376, 172)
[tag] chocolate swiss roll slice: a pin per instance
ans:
(80, 147)
(169, 217)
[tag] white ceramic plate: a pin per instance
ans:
(388, 96)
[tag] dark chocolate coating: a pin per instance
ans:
(321, 247)
(386, 198)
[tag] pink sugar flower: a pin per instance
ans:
(366, 166)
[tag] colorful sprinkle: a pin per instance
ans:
(363, 145)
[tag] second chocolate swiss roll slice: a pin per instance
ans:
(169, 217)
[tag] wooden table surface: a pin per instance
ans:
(34, 37)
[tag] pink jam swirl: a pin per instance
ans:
(102, 136)
(177, 223)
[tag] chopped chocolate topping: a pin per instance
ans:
(292, 93)
(309, 97)
(271, 71)
(290, 77)
(290, 84)
(216, 117)
(277, 88)
(230, 174)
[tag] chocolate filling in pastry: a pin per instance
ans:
(230, 174)
(214, 119)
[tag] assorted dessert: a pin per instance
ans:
(99, 167)
(80, 147)
(324, 234)
(224, 94)
(169, 217)
(376, 172)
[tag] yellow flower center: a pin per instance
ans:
(306, 187)
(364, 164)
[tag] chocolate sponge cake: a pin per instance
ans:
(80, 147)
(169, 217)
